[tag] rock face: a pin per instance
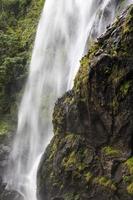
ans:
(8, 195)
(90, 156)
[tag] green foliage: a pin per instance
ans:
(18, 22)
(14, 6)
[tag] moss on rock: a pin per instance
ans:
(105, 182)
(129, 164)
(130, 189)
(110, 151)
(4, 128)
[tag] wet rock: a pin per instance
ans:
(8, 194)
(11, 195)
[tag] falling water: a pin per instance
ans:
(63, 32)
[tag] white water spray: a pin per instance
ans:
(61, 39)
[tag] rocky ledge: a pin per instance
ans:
(91, 154)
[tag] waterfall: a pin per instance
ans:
(62, 36)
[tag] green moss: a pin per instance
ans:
(69, 100)
(127, 31)
(128, 179)
(80, 83)
(81, 80)
(129, 164)
(105, 182)
(117, 74)
(115, 104)
(88, 176)
(81, 166)
(70, 137)
(125, 88)
(4, 128)
(121, 87)
(58, 119)
(54, 147)
(75, 159)
(130, 189)
(127, 28)
(71, 160)
(71, 196)
(111, 151)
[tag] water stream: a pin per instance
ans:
(61, 40)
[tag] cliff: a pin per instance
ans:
(90, 155)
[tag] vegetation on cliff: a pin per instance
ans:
(18, 22)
